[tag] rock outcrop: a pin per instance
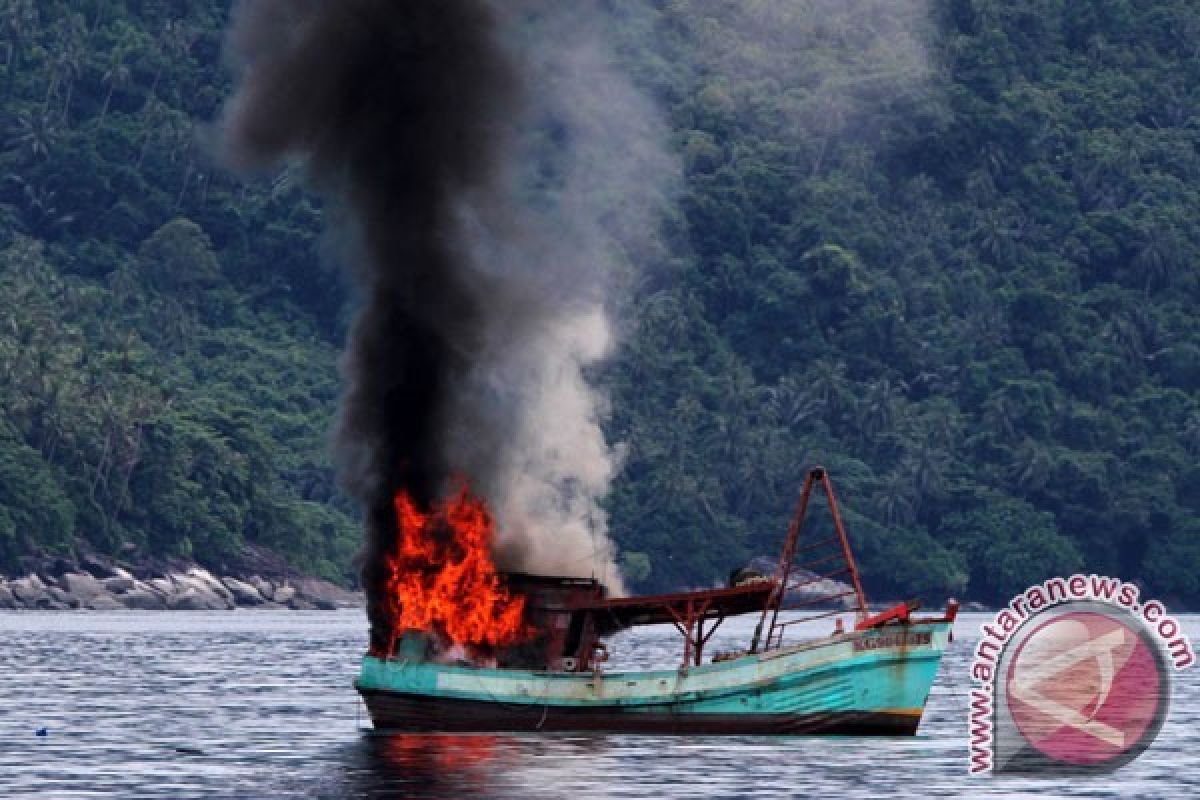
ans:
(243, 593)
(804, 586)
(97, 584)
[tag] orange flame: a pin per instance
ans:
(442, 579)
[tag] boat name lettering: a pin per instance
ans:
(893, 640)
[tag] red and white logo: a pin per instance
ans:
(1073, 675)
(1086, 688)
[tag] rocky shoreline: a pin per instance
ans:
(100, 585)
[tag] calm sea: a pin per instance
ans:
(260, 705)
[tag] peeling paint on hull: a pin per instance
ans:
(419, 713)
(868, 682)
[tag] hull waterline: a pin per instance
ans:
(407, 713)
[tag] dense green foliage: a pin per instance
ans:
(167, 334)
(974, 297)
(966, 281)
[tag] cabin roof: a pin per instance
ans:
(624, 612)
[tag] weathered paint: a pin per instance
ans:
(856, 681)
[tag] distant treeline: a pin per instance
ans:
(948, 249)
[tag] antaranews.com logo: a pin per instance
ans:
(1074, 675)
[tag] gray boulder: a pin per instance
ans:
(142, 600)
(119, 583)
(103, 602)
(164, 586)
(192, 598)
(298, 603)
(7, 599)
(243, 593)
(283, 594)
(326, 595)
(264, 586)
(52, 569)
(60, 599)
(28, 590)
(205, 581)
(81, 585)
(97, 567)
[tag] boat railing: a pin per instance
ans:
(777, 641)
(797, 585)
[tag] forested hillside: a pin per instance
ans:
(168, 336)
(949, 250)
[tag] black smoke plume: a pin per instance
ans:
(499, 179)
(399, 109)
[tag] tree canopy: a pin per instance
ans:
(948, 249)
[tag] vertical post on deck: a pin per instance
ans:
(689, 622)
(698, 655)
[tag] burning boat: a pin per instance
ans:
(528, 653)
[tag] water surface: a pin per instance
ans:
(260, 705)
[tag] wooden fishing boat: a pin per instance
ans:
(871, 679)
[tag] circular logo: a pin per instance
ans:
(1088, 688)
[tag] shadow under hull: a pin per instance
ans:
(398, 712)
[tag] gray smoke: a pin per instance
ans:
(497, 174)
(591, 174)
(823, 72)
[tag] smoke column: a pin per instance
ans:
(483, 272)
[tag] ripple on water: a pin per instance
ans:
(260, 704)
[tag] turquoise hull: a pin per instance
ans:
(865, 682)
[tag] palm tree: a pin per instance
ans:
(787, 402)
(876, 410)
(140, 413)
(926, 468)
(72, 61)
(41, 214)
(896, 499)
(174, 42)
(1124, 332)
(997, 236)
(124, 285)
(1001, 413)
(67, 60)
(36, 133)
(1191, 434)
(174, 130)
(118, 75)
(995, 160)
(1159, 257)
(178, 134)
(17, 18)
(753, 484)
(1032, 467)
(828, 387)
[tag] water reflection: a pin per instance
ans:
(424, 765)
(431, 765)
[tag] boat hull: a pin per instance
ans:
(863, 683)
(401, 712)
